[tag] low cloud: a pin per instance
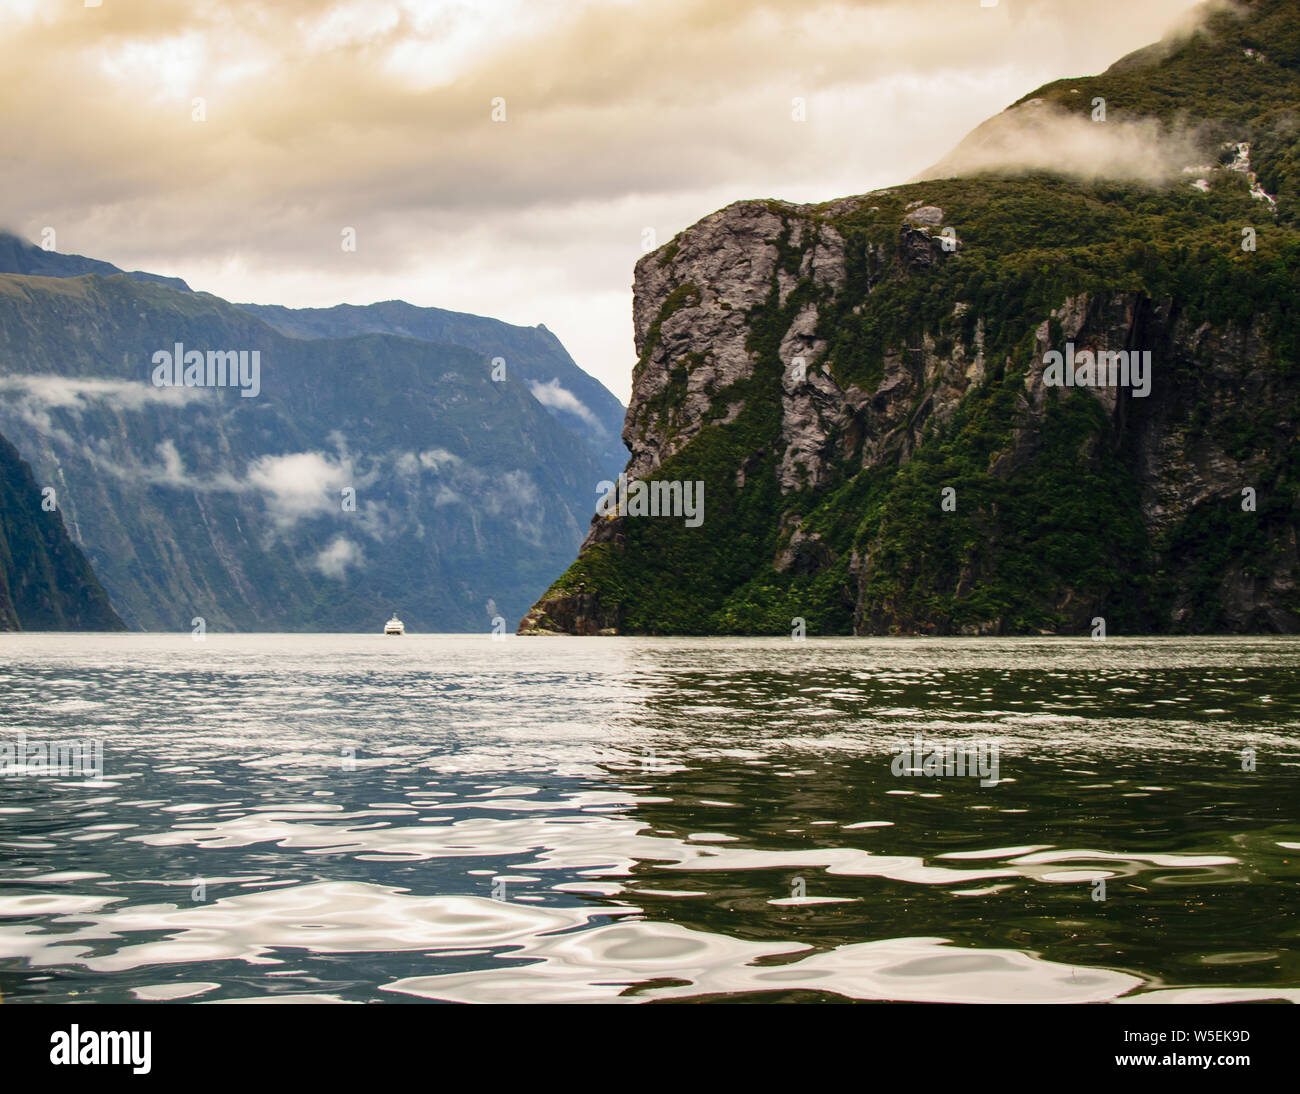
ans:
(300, 485)
(37, 396)
(335, 559)
(171, 468)
(437, 459)
(75, 394)
(1040, 136)
(558, 397)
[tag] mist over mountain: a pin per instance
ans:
(356, 473)
(879, 393)
(532, 354)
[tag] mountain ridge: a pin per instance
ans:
(19, 256)
(534, 353)
(466, 492)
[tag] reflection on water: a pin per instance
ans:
(454, 818)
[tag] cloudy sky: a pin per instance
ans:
(377, 115)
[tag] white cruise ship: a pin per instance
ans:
(394, 626)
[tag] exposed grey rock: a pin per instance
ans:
(930, 215)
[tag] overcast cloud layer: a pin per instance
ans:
(376, 115)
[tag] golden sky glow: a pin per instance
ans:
(377, 115)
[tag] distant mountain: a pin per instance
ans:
(46, 584)
(532, 354)
(368, 473)
(20, 257)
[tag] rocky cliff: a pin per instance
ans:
(46, 583)
(860, 385)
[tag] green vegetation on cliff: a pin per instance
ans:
(1065, 509)
(46, 584)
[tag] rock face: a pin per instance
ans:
(578, 613)
(46, 584)
(863, 386)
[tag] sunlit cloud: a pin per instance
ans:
(321, 115)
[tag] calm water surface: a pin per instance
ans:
(455, 818)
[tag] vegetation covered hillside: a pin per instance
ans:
(46, 584)
(863, 394)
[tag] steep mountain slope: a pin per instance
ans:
(532, 354)
(860, 385)
(201, 502)
(46, 584)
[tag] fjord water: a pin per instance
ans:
(553, 819)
